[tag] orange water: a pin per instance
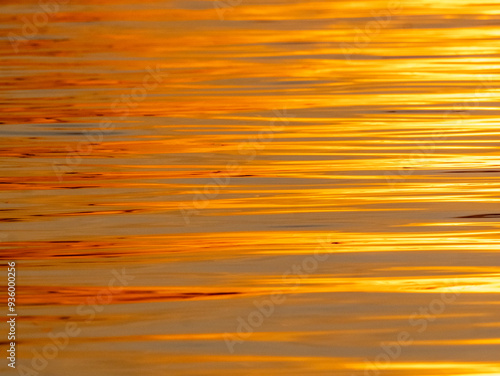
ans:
(342, 155)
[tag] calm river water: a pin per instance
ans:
(249, 187)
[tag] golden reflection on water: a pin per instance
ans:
(276, 129)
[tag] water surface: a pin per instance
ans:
(340, 154)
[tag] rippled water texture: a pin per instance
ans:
(168, 167)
